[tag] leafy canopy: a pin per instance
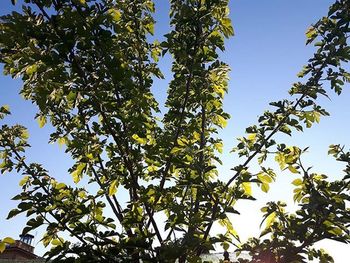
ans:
(89, 67)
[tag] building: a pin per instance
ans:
(21, 251)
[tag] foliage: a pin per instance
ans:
(4, 242)
(89, 67)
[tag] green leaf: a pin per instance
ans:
(335, 231)
(13, 213)
(225, 246)
(5, 109)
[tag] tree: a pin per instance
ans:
(89, 66)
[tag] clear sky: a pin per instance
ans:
(266, 53)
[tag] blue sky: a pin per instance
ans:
(266, 53)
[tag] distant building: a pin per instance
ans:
(21, 251)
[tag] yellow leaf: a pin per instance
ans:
(140, 140)
(335, 231)
(61, 141)
(280, 158)
(218, 146)
(270, 219)
(25, 134)
(265, 187)
(251, 137)
(219, 89)
(196, 135)
(150, 6)
(293, 169)
(31, 69)
(152, 168)
(41, 121)
(194, 193)
(24, 180)
(175, 150)
(9, 240)
(113, 188)
(115, 14)
(297, 182)
(60, 186)
(227, 223)
(78, 171)
(90, 156)
(150, 27)
(247, 188)
(227, 27)
(82, 194)
(311, 32)
(182, 141)
(99, 217)
(317, 116)
(150, 140)
(221, 121)
(263, 209)
(2, 247)
(264, 178)
(57, 242)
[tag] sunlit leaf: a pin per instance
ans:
(24, 180)
(247, 188)
(297, 182)
(140, 140)
(77, 173)
(113, 187)
(41, 121)
(270, 219)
